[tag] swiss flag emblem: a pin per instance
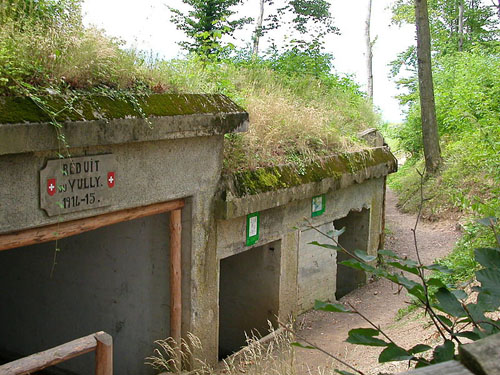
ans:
(111, 179)
(51, 186)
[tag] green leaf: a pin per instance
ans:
(445, 320)
(488, 221)
(436, 282)
(393, 353)
(439, 267)
(449, 303)
(488, 301)
(420, 348)
(326, 245)
(468, 334)
(335, 232)
(404, 267)
(389, 253)
(487, 257)
(459, 293)
(445, 352)
(490, 280)
(344, 372)
(331, 307)
(364, 336)
(298, 344)
(356, 264)
(364, 256)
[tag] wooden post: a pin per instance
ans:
(175, 280)
(103, 354)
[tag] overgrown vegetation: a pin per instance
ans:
(466, 66)
(299, 109)
(455, 314)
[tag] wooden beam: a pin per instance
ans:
(70, 228)
(103, 354)
(175, 276)
(39, 361)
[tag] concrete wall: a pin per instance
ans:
(317, 268)
(287, 223)
(116, 278)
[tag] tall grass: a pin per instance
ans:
(295, 117)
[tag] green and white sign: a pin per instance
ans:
(318, 205)
(253, 228)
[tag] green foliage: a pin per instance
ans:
(480, 27)
(462, 258)
(206, 23)
(462, 318)
(299, 110)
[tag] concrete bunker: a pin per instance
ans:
(248, 296)
(122, 283)
(222, 272)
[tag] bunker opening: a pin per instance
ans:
(115, 279)
(356, 236)
(248, 296)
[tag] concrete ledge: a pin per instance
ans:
(251, 191)
(483, 356)
(26, 128)
(445, 368)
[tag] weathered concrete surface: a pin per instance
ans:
(25, 128)
(482, 357)
(288, 222)
(278, 186)
(372, 137)
(445, 368)
(317, 268)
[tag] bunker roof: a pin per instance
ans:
(100, 120)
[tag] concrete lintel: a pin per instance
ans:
(33, 137)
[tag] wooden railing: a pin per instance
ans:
(101, 342)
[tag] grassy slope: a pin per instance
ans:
(294, 117)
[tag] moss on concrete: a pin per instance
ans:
(21, 109)
(263, 180)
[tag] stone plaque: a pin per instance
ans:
(77, 184)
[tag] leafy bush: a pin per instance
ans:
(453, 314)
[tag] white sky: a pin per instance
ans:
(146, 25)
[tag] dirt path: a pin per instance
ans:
(379, 301)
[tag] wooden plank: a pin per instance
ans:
(445, 368)
(103, 354)
(175, 275)
(39, 361)
(70, 228)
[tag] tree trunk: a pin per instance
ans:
(460, 25)
(369, 51)
(258, 30)
(430, 135)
